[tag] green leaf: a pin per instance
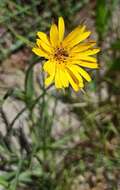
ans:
(116, 45)
(3, 182)
(16, 93)
(29, 86)
(115, 64)
(5, 177)
(82, 166)
(21, 38)
(14, 183)
(25, 177)
(113, 128)
(92, 86)
(7, 94)
(102, 16)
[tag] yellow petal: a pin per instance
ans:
(79, 38)
(38, 42)
(63, 78)
(89, 52)
(83, 73)
(86, 64)
(61, 28)
(83, 46)
(72, 79)
(54, 36)
(50, 68)
(77, 75)
(44, 46)
(43, 37)
(77, 57)
(58, 83)
(88, 58)
(76, 37)
(49, 80)
(73, 34)
(40, 52)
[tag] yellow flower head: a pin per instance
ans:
(66, 56)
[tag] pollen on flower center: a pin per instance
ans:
(60, 54)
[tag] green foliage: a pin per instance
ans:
(116, 45)
(102, 16)
(29, 86)
(115, 65)
(104, 11)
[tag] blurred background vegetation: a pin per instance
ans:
(55, 140)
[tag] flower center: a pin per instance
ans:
(60, 54)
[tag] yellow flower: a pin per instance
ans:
(66, 56)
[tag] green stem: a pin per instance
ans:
(25, 108)
(15, 181)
